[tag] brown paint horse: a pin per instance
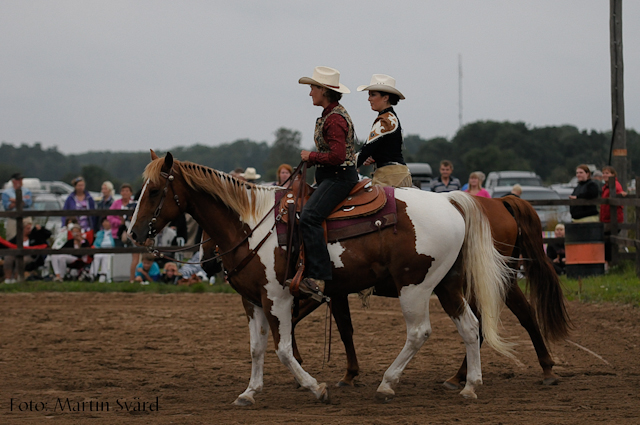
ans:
(516, 230)
(434, 242)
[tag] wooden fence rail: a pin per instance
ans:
(613, 227)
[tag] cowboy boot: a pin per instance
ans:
(313, 288)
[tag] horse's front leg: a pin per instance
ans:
(258, 328)
(278, 315)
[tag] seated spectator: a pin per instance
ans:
(101, 265)
(63, 234)
(475, 185)
(9, 203)
(147, 270)
(80, 199)
(445, 182)
(31, 236)
(170, 274)
(556, 252)
(60, 262)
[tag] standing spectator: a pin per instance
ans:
(445, 182)
(147, 270)
(475, 185)
(556, 252)
(59, 262)
(283, 173)
(119, 224)
(106, 201)
(80, 199)
(586, 189)
(516, 190)
(101, 265)
(238, 173)
(250, 175)
(598, 177)
(605, 210)
(31, 236)
(9, 202)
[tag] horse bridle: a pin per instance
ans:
(169, 179)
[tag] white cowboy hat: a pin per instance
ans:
(382, 83)
(250, 174)
(326, 77)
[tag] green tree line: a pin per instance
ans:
(552, 152)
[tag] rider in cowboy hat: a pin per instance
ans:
(384, 144)
(336, 173)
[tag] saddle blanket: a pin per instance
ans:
(338, 230)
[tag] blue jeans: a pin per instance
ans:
(329, 193)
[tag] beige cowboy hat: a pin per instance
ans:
(326, 77)
(250, 174)
(382, 83)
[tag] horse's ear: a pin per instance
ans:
(154, 156)
(168, 162)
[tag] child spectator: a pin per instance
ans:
(171, 275)
(147, 270)
(59, 262)
(101, 266)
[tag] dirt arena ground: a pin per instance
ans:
(190, 353)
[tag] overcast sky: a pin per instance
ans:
(131, 75)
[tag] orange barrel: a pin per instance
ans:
(584, 249)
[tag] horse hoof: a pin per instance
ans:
(550, 381)
(345, 384)
(384, 397)
(244, 400)
(324, 393)
(451, 385)
(467, 393)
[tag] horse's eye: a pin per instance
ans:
(154, 192)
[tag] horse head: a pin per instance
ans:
(162, 199)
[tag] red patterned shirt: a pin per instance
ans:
(334, 132)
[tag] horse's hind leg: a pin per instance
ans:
(342, 314)
(450, 294)
(258, 328)
(414, 301)
(518, 304)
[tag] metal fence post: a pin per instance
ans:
(19, 232)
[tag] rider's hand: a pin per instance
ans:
(369, 161)
(305, 155)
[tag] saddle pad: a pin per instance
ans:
(338, 230)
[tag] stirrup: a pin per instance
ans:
(305, 292)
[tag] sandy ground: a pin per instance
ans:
(66, 358)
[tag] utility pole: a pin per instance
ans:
(459, 90)
(618, 156)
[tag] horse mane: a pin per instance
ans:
(250, 201)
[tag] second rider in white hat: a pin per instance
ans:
(335, 173)
(384, 144)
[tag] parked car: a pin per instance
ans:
(421, 174)
(48, 202)
(549, 215)
(510, 178)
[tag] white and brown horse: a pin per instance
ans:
(434, 241)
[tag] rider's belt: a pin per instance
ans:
(344, 165)
(384, 164)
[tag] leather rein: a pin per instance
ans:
(161, 253)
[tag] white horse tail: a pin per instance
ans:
(487, 272)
